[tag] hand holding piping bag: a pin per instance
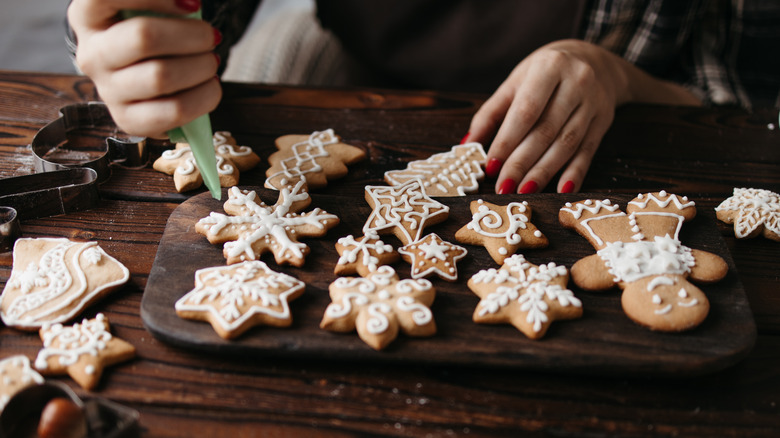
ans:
(197, 134)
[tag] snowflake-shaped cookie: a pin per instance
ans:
(315, 158)
(363, 255)
(452, 173)
(15, 375)
(82, 350)
(501, 229)
(231, 161)
(252, 228)
(433, 256)
(527, 296)
(403, 210)
(378, 305)
(238, 297)
(753, 212)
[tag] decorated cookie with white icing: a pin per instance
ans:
(528, 296)
(453, 173)
(640, 252)
(403, 210)
(251, 228)
(753, 212)
(81, 350)
(501, 229)
(237, 297)
(15, 375)
(55, 279)
(380, 305)
(232, 159)
(363, 255)
(433, 256)
(316, 158)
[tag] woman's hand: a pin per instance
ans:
(154, 74)
(553, 110)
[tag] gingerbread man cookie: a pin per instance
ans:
(363, 255)
(642, 254)
(235, 298)
(453, 173)
(231, 161)
(433, 256)
(82, 350)
(380, 304)
(403, 210)
(501, 229)
(55, 279)
(15, 375)
(251, 228)
(528, 296)
(315, 158)
(753, 212)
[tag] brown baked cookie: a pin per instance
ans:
(528, 296)
(237, 297)
(403, 210)
(433, 256)
(15, 375)
(231, 161)
(251, 228)
(753, 212)
(363, 255)
(82, 350)
(380, 305)
(641, 253)
(501, 229)
(55, 279)
(453, 173)
(317, 158)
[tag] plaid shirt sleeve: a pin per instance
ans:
(725, 51)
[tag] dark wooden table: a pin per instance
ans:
(698, 152)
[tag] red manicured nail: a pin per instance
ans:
(568, 187)
(465, 138)
(188, 5)
(217, 37)
(529, 187)
(507, 187)
(493, 167)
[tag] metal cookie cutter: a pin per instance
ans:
(102, 418)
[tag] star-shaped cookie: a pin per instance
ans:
(15, 375)
(379, 305)
(753, 212)
(501, 229)
(235, 298)
(527, 296)
(363, 255)
(82, 350)
(403, 210)
(433, 256)
(251, 228)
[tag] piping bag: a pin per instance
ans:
(197, 133)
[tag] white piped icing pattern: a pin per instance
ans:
(453, 173)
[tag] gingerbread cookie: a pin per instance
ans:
(15, 375)
(528, 296)
(642, 254)
(379, 305)
(403, 210)
(433, 256)
(238, 297)
(753, 212)
(316, 158)
(453, 173)
(231, 161)
(501, 229)
(251, 228)
(82, 350)
(363, 255)
(55, 279)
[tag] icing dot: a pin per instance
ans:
(537, 233)
(502, 251)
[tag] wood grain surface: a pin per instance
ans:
(699, 152)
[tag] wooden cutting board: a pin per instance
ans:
(603, 341)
